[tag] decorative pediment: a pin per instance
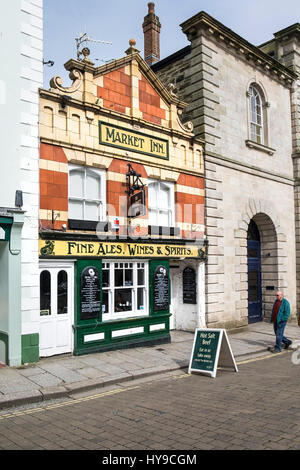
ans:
(127, 86)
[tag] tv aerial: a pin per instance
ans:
(83, 37)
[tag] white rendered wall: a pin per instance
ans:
(31, 81)
(21, 53)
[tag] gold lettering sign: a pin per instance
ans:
(131, 140)
(63, 248)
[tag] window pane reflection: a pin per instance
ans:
(62, 292)
(45, 293)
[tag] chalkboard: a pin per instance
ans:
(211, 348)
(189, 286)
(161, 288)
(90, 293)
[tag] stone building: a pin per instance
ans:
(122, 244)
(239, 100)
(285, 47)
(21, 52)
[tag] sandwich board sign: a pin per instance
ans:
(211, 349)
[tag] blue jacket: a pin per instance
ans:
(284, 311)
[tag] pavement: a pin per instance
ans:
(66, 375)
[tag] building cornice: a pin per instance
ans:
(238, 45)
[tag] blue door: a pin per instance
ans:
(254, 282)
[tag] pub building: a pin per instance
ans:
(122, 239)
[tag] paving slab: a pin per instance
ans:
(65, 375)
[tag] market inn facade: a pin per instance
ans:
(122, 238)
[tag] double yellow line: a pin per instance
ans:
(65, 403)
(108, 393)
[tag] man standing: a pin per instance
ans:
(279, 318)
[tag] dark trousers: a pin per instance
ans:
(280, 338)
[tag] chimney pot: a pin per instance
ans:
(151, 6)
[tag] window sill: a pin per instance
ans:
(251, 144)
(115, 317)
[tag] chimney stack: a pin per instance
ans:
(151, 28)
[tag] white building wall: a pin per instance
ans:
(21, 53)
(31, 81)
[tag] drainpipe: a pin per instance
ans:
(201, 295)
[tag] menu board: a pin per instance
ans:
(211, 348)
(161, 288)
(90, 293)
(189, 286)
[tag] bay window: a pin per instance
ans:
(124, 291)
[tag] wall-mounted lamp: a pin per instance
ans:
(50, 63)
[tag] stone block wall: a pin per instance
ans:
(241, 182)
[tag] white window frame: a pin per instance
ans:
(255, 94)
(171, 209)
(111, 314)
(101, 202)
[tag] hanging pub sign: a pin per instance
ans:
(137, 206)
(189, 286)
(90, 293)
(211, 349)
(161, 288)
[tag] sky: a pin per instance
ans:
(117, 21)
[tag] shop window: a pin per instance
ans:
(161, 203)
(62, 292)
(124, 286)
(87, 189)
(45, 293)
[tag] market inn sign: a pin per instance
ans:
(66, 248)
(134, 141)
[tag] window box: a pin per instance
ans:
(91, 225)
(167, 231)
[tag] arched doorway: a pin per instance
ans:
(254, 273)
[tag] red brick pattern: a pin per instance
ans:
(190, 180)
(53, 185)
(190, 207)
(150, 103)
(52, 152)
(116, 91)
(117, 200)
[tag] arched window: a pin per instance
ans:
(257, 118)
